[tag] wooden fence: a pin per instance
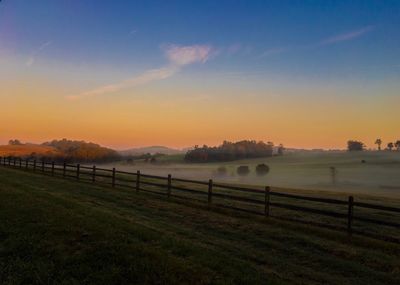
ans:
(172, 187)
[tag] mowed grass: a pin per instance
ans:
(58, 231)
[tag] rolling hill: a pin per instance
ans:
(151, 150)
(28, 150)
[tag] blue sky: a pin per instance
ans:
(251, 36)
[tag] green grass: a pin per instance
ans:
(58, 231)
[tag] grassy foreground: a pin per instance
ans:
(56, 231)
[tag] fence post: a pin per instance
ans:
(350, 215)
(113, 178)
(94, 174)
(52, 168)
(267, 199)
(27, 163)
(169, 185)
(9, 161)
(78, 168)
(42, 165)
(64, 169)
(15, 161)
(210, 186)
(20, 163)
(137, 181)
(34, 165)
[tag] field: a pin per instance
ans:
(379, 175)
(27, 150)
(74, 233)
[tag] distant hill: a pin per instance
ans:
(60, 150)
(24, 150)
(151, 150)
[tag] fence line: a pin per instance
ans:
(116, 178)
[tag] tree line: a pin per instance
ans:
(354, 145)
(229, 151)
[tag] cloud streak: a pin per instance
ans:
(177, 56)
(31, 60)
(346, 36)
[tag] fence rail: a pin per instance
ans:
(171, 186)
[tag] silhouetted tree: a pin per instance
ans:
(390, 146)
(379, 143)
(355, 145)
(230, 151)
(14, 142)
(397, 144)
(82, 151)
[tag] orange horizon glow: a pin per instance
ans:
(32, 113)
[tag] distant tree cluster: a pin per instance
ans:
(229, 151)
(390, 145)
(82, 151)
(14, 142)
(358, 146)
(355, 145)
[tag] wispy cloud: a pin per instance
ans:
(184, 55)
(346, 36)
(177, 56)
(273, 51)
(31, 60)
(237, 49)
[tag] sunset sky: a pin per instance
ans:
(308, 74)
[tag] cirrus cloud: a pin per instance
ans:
(347, 36)
(177, 56)
(184, 55)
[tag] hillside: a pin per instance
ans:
(60, 150)
(27, 150)
(151, 150)
(76, 233)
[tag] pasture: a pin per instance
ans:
(28, 150)
(379, 175)
(74, 233)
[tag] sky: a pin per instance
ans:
(308, 74)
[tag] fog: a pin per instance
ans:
(378, 175)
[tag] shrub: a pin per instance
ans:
(243, 170)
(262, 169)
(222, 171)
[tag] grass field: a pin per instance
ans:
(379, 175)
(57, 231)
(27, 150)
